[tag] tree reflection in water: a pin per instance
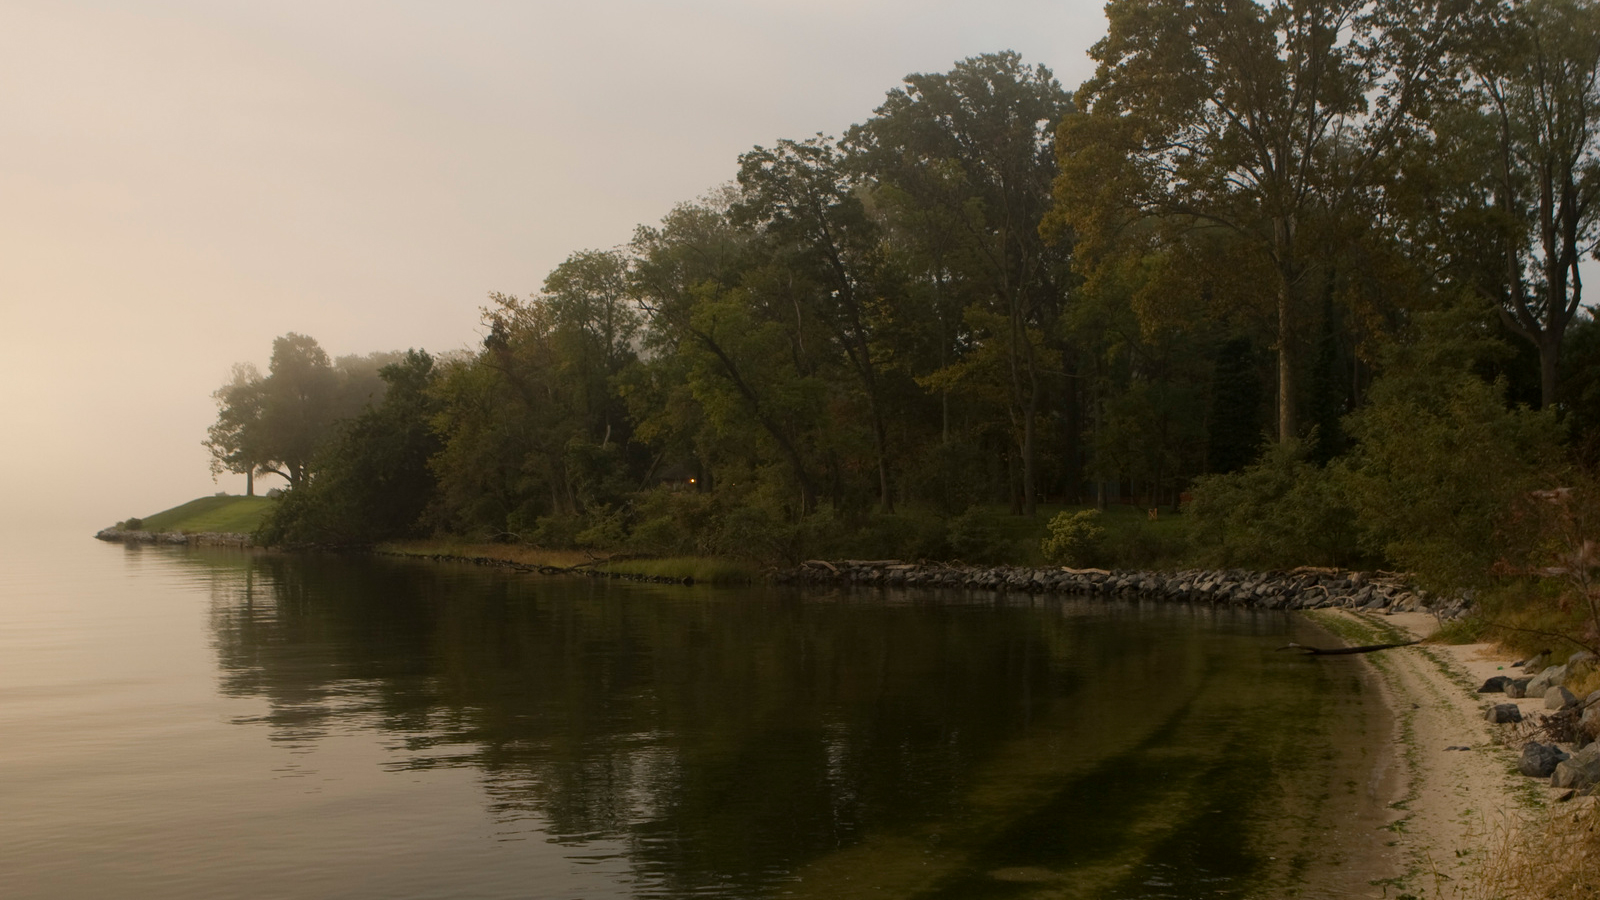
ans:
(739, 741)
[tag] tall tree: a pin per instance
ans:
(745, 364)
(1267, 121)
(971, 152)
(1537, 75)
(800, 194)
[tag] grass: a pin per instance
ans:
(705, 570)
(219, 513)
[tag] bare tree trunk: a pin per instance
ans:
(1288, 426)
(1549, 367)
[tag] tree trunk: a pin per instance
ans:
(880, 435)
(1072, 420)
(1288, 426)
(1549, 367)
(1030, 493)
(250, 482)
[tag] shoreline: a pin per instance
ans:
(1461, 807)
(192, 539)
(1444, 782)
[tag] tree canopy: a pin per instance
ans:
(1209, 270)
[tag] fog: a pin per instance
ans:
(182, 182)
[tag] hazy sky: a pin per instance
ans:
(180, 182)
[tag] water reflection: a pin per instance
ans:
(738, 743)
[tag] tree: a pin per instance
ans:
(747, 368)
(274, 425)
(373, 480)
(1537, 75)
(800, 195)
(970, 153)
(298, 406)
(235, 438)
(1264, 122)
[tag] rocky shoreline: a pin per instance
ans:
(1304, 588)
(202, 539)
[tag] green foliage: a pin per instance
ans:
(277, 424)
(1280, 512)
(1441, 461)
(977, 537)
(1076, 539)
(1236, 434)
(373, 481)
(992, 296)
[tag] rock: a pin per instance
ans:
(1503, 713)
(1546, 679)
(1589, 722)
(1582, 656)
(1534, 663)
(1559, 697)
(1539, 760)
(1580, 771)
(1495, 685)
(1516, 688)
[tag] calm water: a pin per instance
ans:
(205, 724)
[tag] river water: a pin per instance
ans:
(211, 723)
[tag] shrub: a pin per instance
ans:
(976, 537)
(1075, 539)
(1442, 462)
(1280, 512)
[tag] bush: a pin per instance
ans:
(676, 523)
(976, 537)
(131, 524)
(1283, 511)
(1442, 462)
(1144, 546)
(1076, 539)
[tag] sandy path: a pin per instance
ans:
(1453, 805)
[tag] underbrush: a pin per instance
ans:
(1554, 853)
(1524, 616)
(759, 531)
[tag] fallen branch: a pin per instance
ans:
(1345, 651)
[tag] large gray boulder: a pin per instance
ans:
(1546, 680)
(1539, 760)
(1559, 697)
(1495, 685)
(1582, 770)
(1516, 688)
(1503, 714)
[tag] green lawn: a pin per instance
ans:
(224, 513)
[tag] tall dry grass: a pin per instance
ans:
(1553, 852)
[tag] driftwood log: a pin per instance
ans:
(1344, 651)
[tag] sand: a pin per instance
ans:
(1452, 807)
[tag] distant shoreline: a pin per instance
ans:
(194, 539)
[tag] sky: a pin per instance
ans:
(181, 182)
